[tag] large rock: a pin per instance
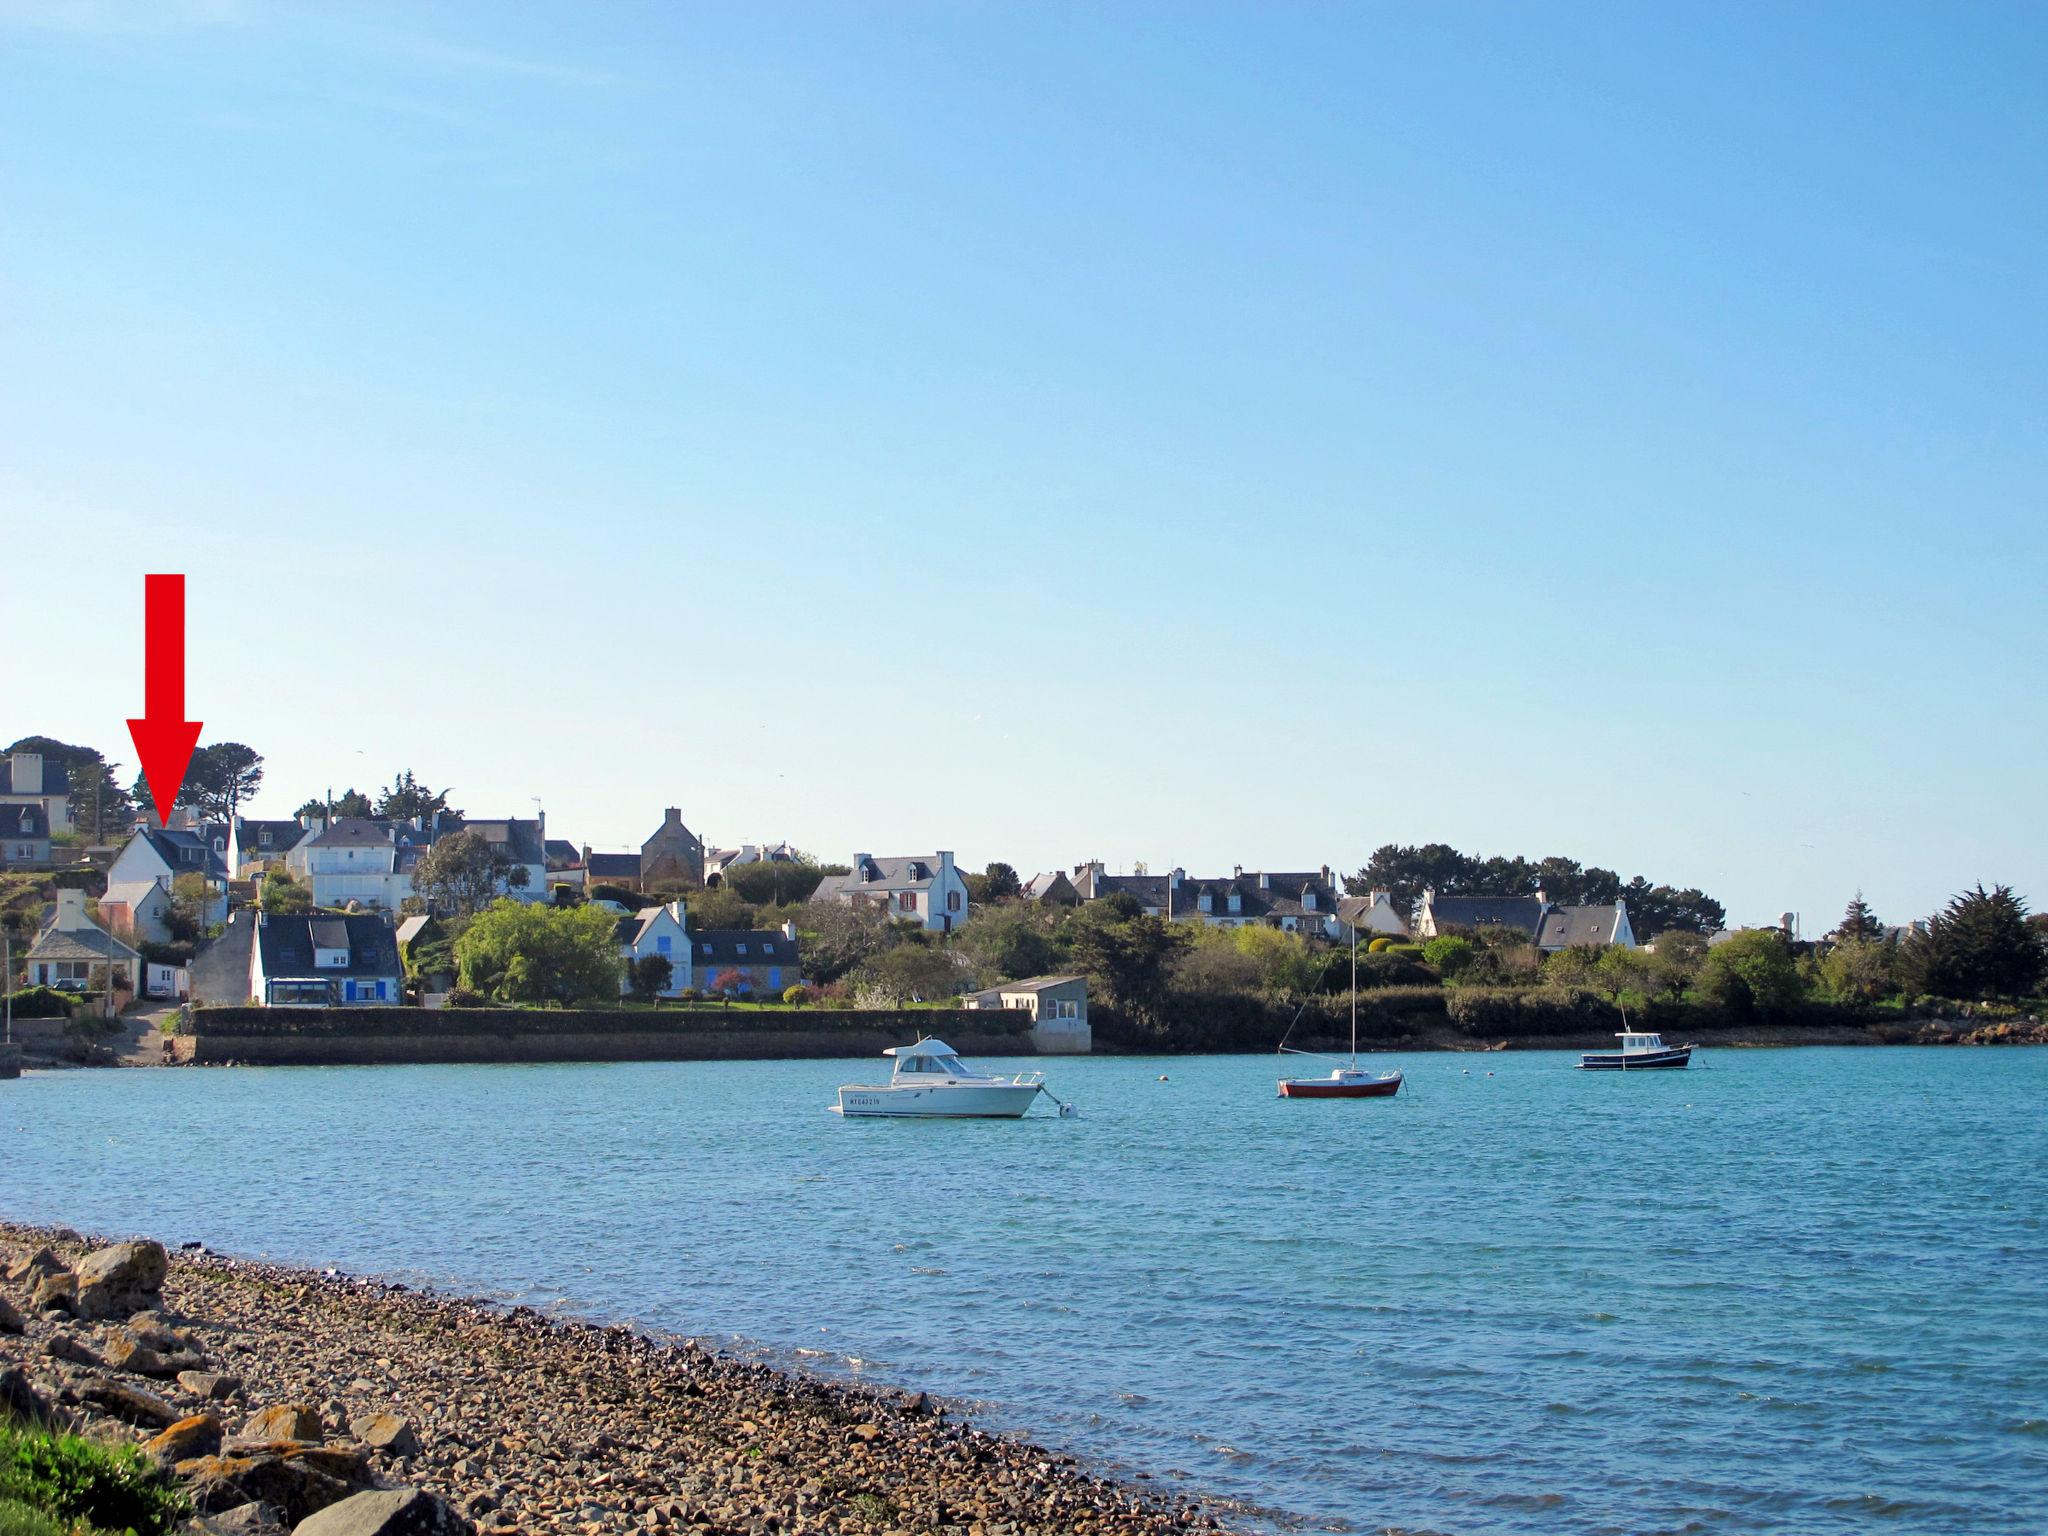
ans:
(251, 1519)
(121, 1280)
(63, 1346)
(11, 1320)
(37, 1265)
(58, 1291)
(286, 1421)
(19, 1397)
(296, 1479)
(385, 1432)
(210, 1385)
(197, 1436)
(126, 1352)
(133, 1404)
(387, 1512)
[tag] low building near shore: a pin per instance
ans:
(1058, 1006)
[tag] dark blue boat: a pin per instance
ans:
(1640, 1051)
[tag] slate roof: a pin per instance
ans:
(904, 872)
(1038, 887)
(188, 852)
(285, 944)
(1523, 912)
(56, 776)
(410, 930)
(613, 866)
(562, 854)
(1564, 927)
(29, 821)
(1281, 897)
(1034, 983)
(354, 832)
(519, 840)
(284, 836)
(715, 947)
(79, 944)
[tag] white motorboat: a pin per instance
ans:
(930, 1081)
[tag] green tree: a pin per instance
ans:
(649, 976)
(1286, 966)
(281, 895)
(462, 873)
(1001, 883)
(1677, 960)
(408, 797)
(836, 938)
(1620, 971)
(772, 882)
(530, 952)
(1451, 954)
(223, 776)
(909, 973)
(719, 908)
(1980, 945)
(1572, 967)
(1008, 942)
(1753, 971)
(1127, 956)
(1859, 970)
(99, 804)
(1858, 922)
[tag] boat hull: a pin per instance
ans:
(962, 1101)
(1641, 1061)
(1340, 1088)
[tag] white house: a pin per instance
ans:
(139, 911)
(660, 931)
(320, 960)
(158, 856)
(253, 846)
(1549, 925)
(923, 888)
(718, 860)
(76, 954)
(1374, 915)
(1304, 902)
(1058, 1006)
(352, 859)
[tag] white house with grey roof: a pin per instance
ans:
(1303, 902)
(1549, 925)
(923, 888)
(663, 931)
(75, 954)
(322, 960)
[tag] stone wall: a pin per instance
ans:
(376, 1036)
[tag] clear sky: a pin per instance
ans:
(1199, 434)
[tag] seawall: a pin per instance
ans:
(394, 1036)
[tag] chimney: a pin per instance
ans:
(1237, 871)
(419, 823)
(540, 822)
(1265, 881)
(672, 817)
(1174, 877)
(1326, 874)
(945, 861)
(1541, 899)
(27, 768)
(586, 855)
(789, 932)
(71, 911)
(861, 870)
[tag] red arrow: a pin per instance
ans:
(164, 738)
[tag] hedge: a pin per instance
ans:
(324, 1022)
(45, 1003)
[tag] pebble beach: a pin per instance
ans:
(270, 1388)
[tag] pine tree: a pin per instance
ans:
(1859, 922)
(1980, 946)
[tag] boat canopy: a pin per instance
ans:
(1641, 1040)
(922, 1048)
(928, 1058)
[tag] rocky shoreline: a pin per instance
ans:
(279, 1393)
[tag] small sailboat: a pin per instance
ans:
(1350, 1081)
(930, 1081)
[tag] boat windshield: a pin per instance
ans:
(931, 1066)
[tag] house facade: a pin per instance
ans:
(673, 856)
(718, 860)
(1052, 889)
(253, 846)
(1549, 925)
(350, 859)
(663, 931)
(31, 778)
(1058, 1006)
(158, 856)
(1305, 902)
(75, 954)
(1373, 916)
(744, 962)
(924, 888)
(322, 960)
(24, 836)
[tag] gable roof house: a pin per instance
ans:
(351, 859)
(319, 960)
(1052, 889)
(664, 931)
(1058, 1006)
(674, 855)
(521, 840)
(24, 836)
(253, 846)
(41, 780)
(157, 856)
(1549, 925)
(718, 860)
(75, 954)
(1373, 913)
(923, 888)
(565, 863)
(746, 960)
(1305, 903)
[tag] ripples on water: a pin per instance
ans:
(1784, 1291)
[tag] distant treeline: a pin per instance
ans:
(1652, 909)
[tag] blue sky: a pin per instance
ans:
(1198, 434)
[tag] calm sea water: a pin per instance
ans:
(1784, 1291)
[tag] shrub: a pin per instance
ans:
(42, 1003)
(71, 1480)
(1449, 953)
(796, 996)
(464, 997)
(1387, 969)
(1379, 945)
(19, 1520)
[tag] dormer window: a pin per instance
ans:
(1206, 903)
(1236, 902)
(1308, 899)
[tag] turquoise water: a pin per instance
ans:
(1795, 1290)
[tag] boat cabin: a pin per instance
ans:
(929, 1060)
(1638, 1040)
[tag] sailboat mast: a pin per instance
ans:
(1354, 994)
